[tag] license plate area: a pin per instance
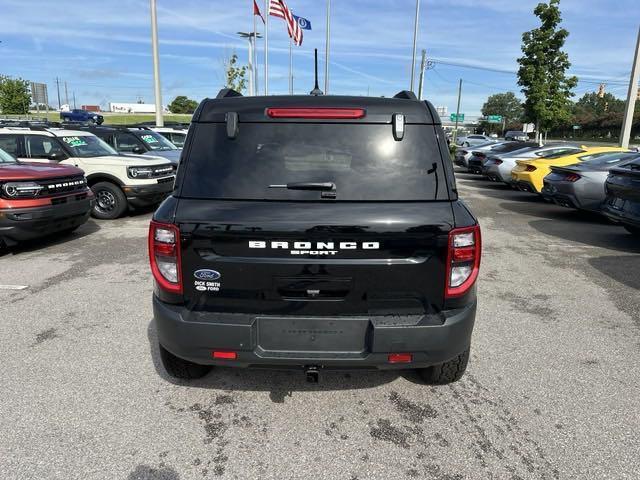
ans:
(314, 335)
(617, 203)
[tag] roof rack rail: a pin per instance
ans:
(228, 93)
(406, 94)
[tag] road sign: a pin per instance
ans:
(494, 118)
(459, 119)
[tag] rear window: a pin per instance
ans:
(362, 160)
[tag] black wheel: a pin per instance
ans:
(110, 201)
(633, 230)
(447, 372)
(179, 368)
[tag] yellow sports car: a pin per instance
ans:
(528, 175)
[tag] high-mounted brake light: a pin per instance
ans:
(463, 260)
(164, 256)
(320, 113)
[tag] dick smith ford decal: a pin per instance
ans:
(314, 248)
(206, 280)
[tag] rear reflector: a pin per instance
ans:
(400, 358)
(321, 113)
(224, 355)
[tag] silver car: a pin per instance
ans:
(464, 154)
(582, 185)
(498, 168)
(473, 140)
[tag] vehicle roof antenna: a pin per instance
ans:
(316, 90)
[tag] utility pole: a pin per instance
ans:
(74, 100)
(66, 93)
(455, 132)
(156, 63)
(326, 49)
(632, 96)
(423, 66)
(415, 42)
(266, 46)
(58, 89)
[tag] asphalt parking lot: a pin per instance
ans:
(552, 390)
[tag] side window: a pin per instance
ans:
(177, 139)
(39, 146)
(126, 142)
(10, 144)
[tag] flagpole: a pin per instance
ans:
(415, 41)
(266, 47)
(290, 66)
(254, 60)
(326, 52)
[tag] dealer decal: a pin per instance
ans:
(74, 141)
(207, 280)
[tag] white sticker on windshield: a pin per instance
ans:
(74, 141)
(149, 138)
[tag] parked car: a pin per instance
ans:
(77, 115)
(480, 156)
(117, 181)
(176, 134)
(622, 204)
(473, 140)
(463, 155)
(309, 232)
(582, 185)
(137, 141)
(516, 135)
(498, 168)
(528, 175)
(39, 200)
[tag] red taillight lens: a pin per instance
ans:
(164, 256)
(400, 358)
(322, 113)
(530, 168)
(463, 260)
(480, 155)
(497, 161)
(224, 355)
(572, 177)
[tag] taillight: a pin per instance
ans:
(322, 112)
(464, 152)
(164, 255)
(463, 260)
(530, 168)
(497, 161)
(572, 177)
(481, 155)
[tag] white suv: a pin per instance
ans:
(117, 181)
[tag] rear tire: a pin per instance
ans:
(632, 230)
(180, 368)
(110, 203)
(447, 372)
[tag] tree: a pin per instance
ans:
(182, 104)
(14, 95)
(235, 75)
(505, 104)
(542, 72)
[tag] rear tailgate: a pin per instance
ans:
(314, 258)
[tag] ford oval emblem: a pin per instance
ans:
(206, 274)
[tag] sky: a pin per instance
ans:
(102, 49)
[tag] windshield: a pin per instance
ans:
(155, 141)
(6, 158)
(364, 161)
(86, 146)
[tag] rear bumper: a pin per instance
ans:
(193, 336)
(629, 214)
(19, 224)
(144, 195)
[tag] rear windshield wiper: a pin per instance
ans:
(317, 186)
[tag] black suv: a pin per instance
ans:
(315, 232)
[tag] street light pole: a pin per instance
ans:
(251, 38)
(326, 49)
(415, 44)
(455, 132)
(156, 63)
(632, 96)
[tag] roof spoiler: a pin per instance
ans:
(228, 93)
(406, 94)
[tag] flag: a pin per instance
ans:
(256, 11)
(303, 22)
(278, 8)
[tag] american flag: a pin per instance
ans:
(278, 8)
